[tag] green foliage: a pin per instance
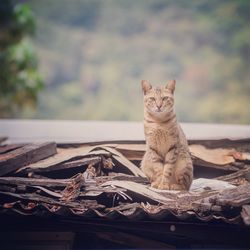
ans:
(94, 53)
(19, 79)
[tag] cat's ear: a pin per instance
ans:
(146, 86)
(171, 86)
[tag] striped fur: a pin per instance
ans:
(167, 161)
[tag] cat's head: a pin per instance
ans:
(158, 101)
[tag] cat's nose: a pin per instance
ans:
(158, 104)
(158, 107)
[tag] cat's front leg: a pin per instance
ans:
(152, 166)
(157, 176)
(174, 186)
(184, 173)
(169, 164)
(165, 183)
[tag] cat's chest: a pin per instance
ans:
(161, 140)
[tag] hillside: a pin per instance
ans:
(93, 55)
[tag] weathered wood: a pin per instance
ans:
(37, 176)
(139, 189)
(48, 182)
(9, 147)
(113, 143)
(221, 158)
(124, 161)
(42, 199)
(89, 191)
(28, 154)
(239, 144)
(127, 194)
(7, 188)
(235, 197)
(72, 190)
(202, 184)
(218, 156)
(124, 177)
(48, 191)
(130, 151)
(245, 214)
(68, 165)
(94, 191)
(125, 207)
(34, 182)
(205, 207)
(224, 158)
(243, 173)
(201, 163)
(65, 155)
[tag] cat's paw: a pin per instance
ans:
(155, 184)
(164, 186)
(176, 187)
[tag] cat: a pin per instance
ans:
(167, 161)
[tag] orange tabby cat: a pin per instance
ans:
(167, 161)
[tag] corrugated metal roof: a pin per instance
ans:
(135, 212)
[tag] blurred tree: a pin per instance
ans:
(19, 79)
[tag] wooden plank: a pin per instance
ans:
(201, 163)
(72, 190)
(235, 197)
(218, 156)
(34, 181)
(89, 191)
(69, 165)
(95, 191)
(180, 200)
(239, 145)
(202, 184)
(85, 151)
(28, 154)
(124, 161)
(139, 189)
(221, 157)
(130, 151)
(243, 173)
(65, 155)
(6, 148)
(245, 214)
(137, 179)
(42, 199)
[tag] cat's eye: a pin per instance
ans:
(165, 98)
(151, 98)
